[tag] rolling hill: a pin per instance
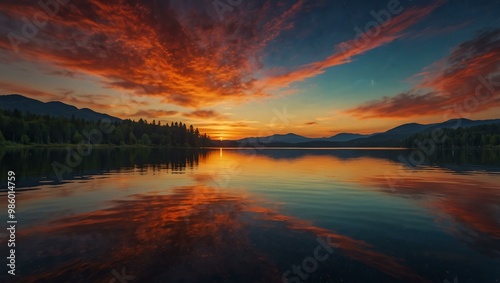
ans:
(54, 108)
(392, 137)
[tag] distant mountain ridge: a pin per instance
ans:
(405, 131)
(53, 108)
(343, 137)
(392, 137)
(294, 138)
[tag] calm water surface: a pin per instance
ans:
(228, 215)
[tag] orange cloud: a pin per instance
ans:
(151, 113)
(204, 114)
(466, 82)
(310, 123)
(152, 49)
(389, 31)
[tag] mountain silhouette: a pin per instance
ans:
(53, 108)
(392, 137)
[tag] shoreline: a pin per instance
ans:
(137, 146)
(99, 146)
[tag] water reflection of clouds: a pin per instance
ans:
(471, 201)
(149, 236)
(468, 194)
(148, 233)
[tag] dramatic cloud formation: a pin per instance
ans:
(371, 38)
(190, 59)
(183, 54)
(466, 82)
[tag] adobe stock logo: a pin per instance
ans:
(74, 157)
(121, 278)
(310, 264)
(40, 19)
(221, 7)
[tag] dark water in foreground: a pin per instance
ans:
(226, 215)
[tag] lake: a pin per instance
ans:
(246, 215)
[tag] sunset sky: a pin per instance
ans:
(315, 68)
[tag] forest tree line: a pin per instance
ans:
(26, 128)
(477, 136)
